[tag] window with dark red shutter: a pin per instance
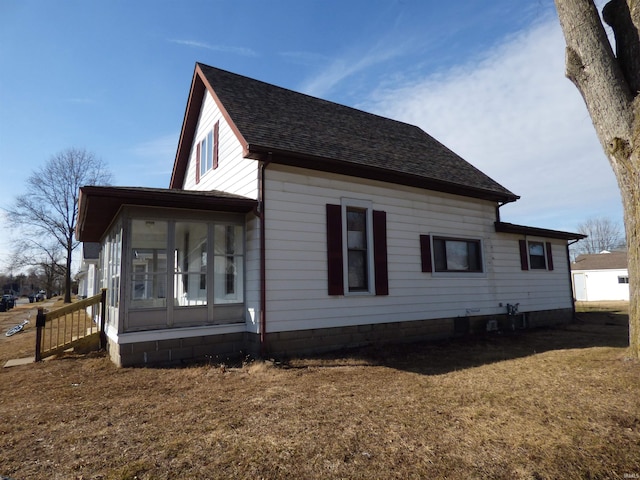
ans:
(334, 250)
(524, 255)
(425, 253)
(198, 163)
(380, 252)
(216, 134)
(360, 265)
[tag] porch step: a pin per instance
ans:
(16, 362)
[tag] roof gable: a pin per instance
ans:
(293, 128)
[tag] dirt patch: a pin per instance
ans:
(548, 403)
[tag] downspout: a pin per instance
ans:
(263, 261)
(500, 204)
(573, 300)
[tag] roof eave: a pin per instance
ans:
(99, 206)
(258, 152)
(504, 227)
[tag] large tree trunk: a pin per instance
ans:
(609, 85)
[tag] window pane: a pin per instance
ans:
(536, 255)
(209, 150)
(203, 156)
(227, 240)
(148, 263)
(357, 264)
(457, 255)
(188, 291)
(190, 257)
(440, 255)
(357, 257)
(475, 259)
(228, 279)
(356, 229)
(228, 264)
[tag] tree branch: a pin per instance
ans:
(625, 22)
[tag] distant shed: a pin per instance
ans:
(600, 277)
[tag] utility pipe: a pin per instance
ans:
(263, 261)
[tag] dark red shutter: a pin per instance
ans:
(380, 252)
(425, 253)
(216, 129)
(334, 250)
(198, 163)
(524, 255)
(549, 257)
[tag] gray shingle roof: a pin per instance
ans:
(601, 261)
(295, 125)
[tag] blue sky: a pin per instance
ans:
(485, 78)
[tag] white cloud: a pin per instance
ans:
(351, 64)
(163, 146)
(516, 117)
(152, 165)
(243, 51)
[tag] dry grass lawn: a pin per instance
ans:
(547, 403)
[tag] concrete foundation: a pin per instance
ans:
(234, 346)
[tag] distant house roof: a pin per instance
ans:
(601, 261)
(98, 205)
(291, 128)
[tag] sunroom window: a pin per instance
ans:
(190, 264)
(205, 264)
(149, 263)
(228, 263)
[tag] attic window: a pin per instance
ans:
(207, 152)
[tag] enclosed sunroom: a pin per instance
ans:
(173, 263)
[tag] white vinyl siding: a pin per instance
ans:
(234, 174)
(297, 260)
(534, 289)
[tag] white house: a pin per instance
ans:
(296, 225)
(601, 276)
(88, 276)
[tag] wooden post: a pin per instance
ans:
(40, 323)
(103, 319)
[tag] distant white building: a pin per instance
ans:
(601, 276)
(88, 280)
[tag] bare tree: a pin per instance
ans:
(602, 234)
(49, 208)
(610, 85)
(47, 258)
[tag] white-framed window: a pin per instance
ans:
(451, 254)
(207, 152)
(148, 275)
(457, 254)
(204, 266)
(190, 288)
(228, 263)
(536, 255)
(357, 245)
(537, 258)
(623, 279)
(111, 259)
(356, 249)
